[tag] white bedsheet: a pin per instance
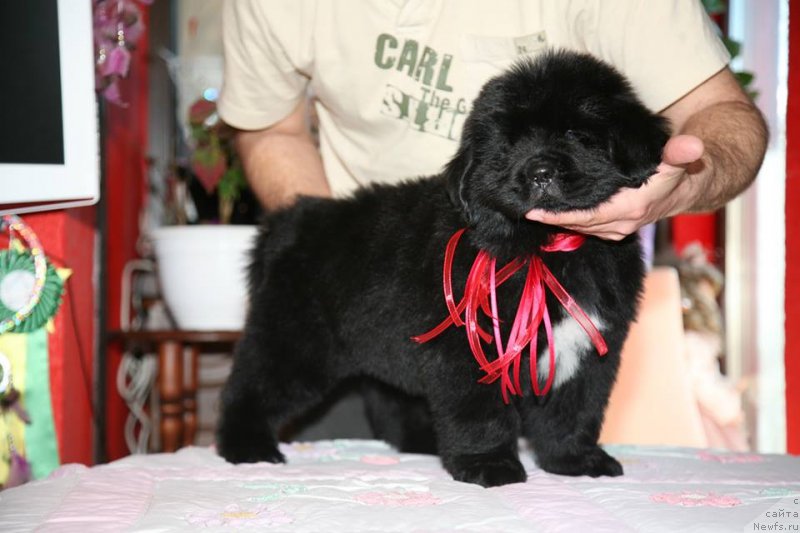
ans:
(355, 486)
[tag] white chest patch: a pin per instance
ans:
(572, 344)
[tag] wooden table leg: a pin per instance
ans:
(190, 395)
(170, 389)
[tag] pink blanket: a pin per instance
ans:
(352, 486)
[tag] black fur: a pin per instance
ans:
(338, 287)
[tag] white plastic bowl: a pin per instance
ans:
(202, 271)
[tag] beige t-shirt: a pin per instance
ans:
(395, 78)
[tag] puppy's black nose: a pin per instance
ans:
(542, 174)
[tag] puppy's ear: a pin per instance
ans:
(636, 150)
(457, 174)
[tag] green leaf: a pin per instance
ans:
(232, 184)
(200, 134)
(734, 47)
(745, 77)
(715, 7)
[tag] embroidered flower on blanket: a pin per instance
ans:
(696, 499)
(727, 458)
(235, 516)
(309, 451)
(780, 492)
(274, 491)
(398, 498)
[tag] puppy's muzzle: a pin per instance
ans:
(541, 170)
(542, 174)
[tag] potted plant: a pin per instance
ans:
(202, 253)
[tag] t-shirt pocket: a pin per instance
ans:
(487, 56)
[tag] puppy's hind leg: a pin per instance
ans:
(262, 392)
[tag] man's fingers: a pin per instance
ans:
(612, 229)
(564, 219)
(619, 207)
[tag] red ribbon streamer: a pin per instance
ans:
(481, 292)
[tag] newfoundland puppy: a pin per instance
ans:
(526, 339)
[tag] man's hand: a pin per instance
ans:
(631, 209)
(719, 142)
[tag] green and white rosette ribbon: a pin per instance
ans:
(30, 287)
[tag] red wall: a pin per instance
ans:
(125, 190)
(68, 238)
(792, 354)
(700, 228)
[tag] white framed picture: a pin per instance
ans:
(49, 140)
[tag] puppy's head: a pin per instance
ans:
(563, 131)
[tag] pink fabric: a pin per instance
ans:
(653, 401)
(347, 486)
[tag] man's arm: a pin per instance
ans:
(734, 135)
(281, 162)
(717, 148)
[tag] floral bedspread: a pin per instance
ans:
(354, 486)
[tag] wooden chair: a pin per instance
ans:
(178, 354)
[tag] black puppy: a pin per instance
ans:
(339, 287)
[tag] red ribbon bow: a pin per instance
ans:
(481, 292)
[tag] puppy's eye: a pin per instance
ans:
(579, 136)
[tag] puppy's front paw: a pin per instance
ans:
(248, 449)
(593, 462)
(252, 452)
(487, 469)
